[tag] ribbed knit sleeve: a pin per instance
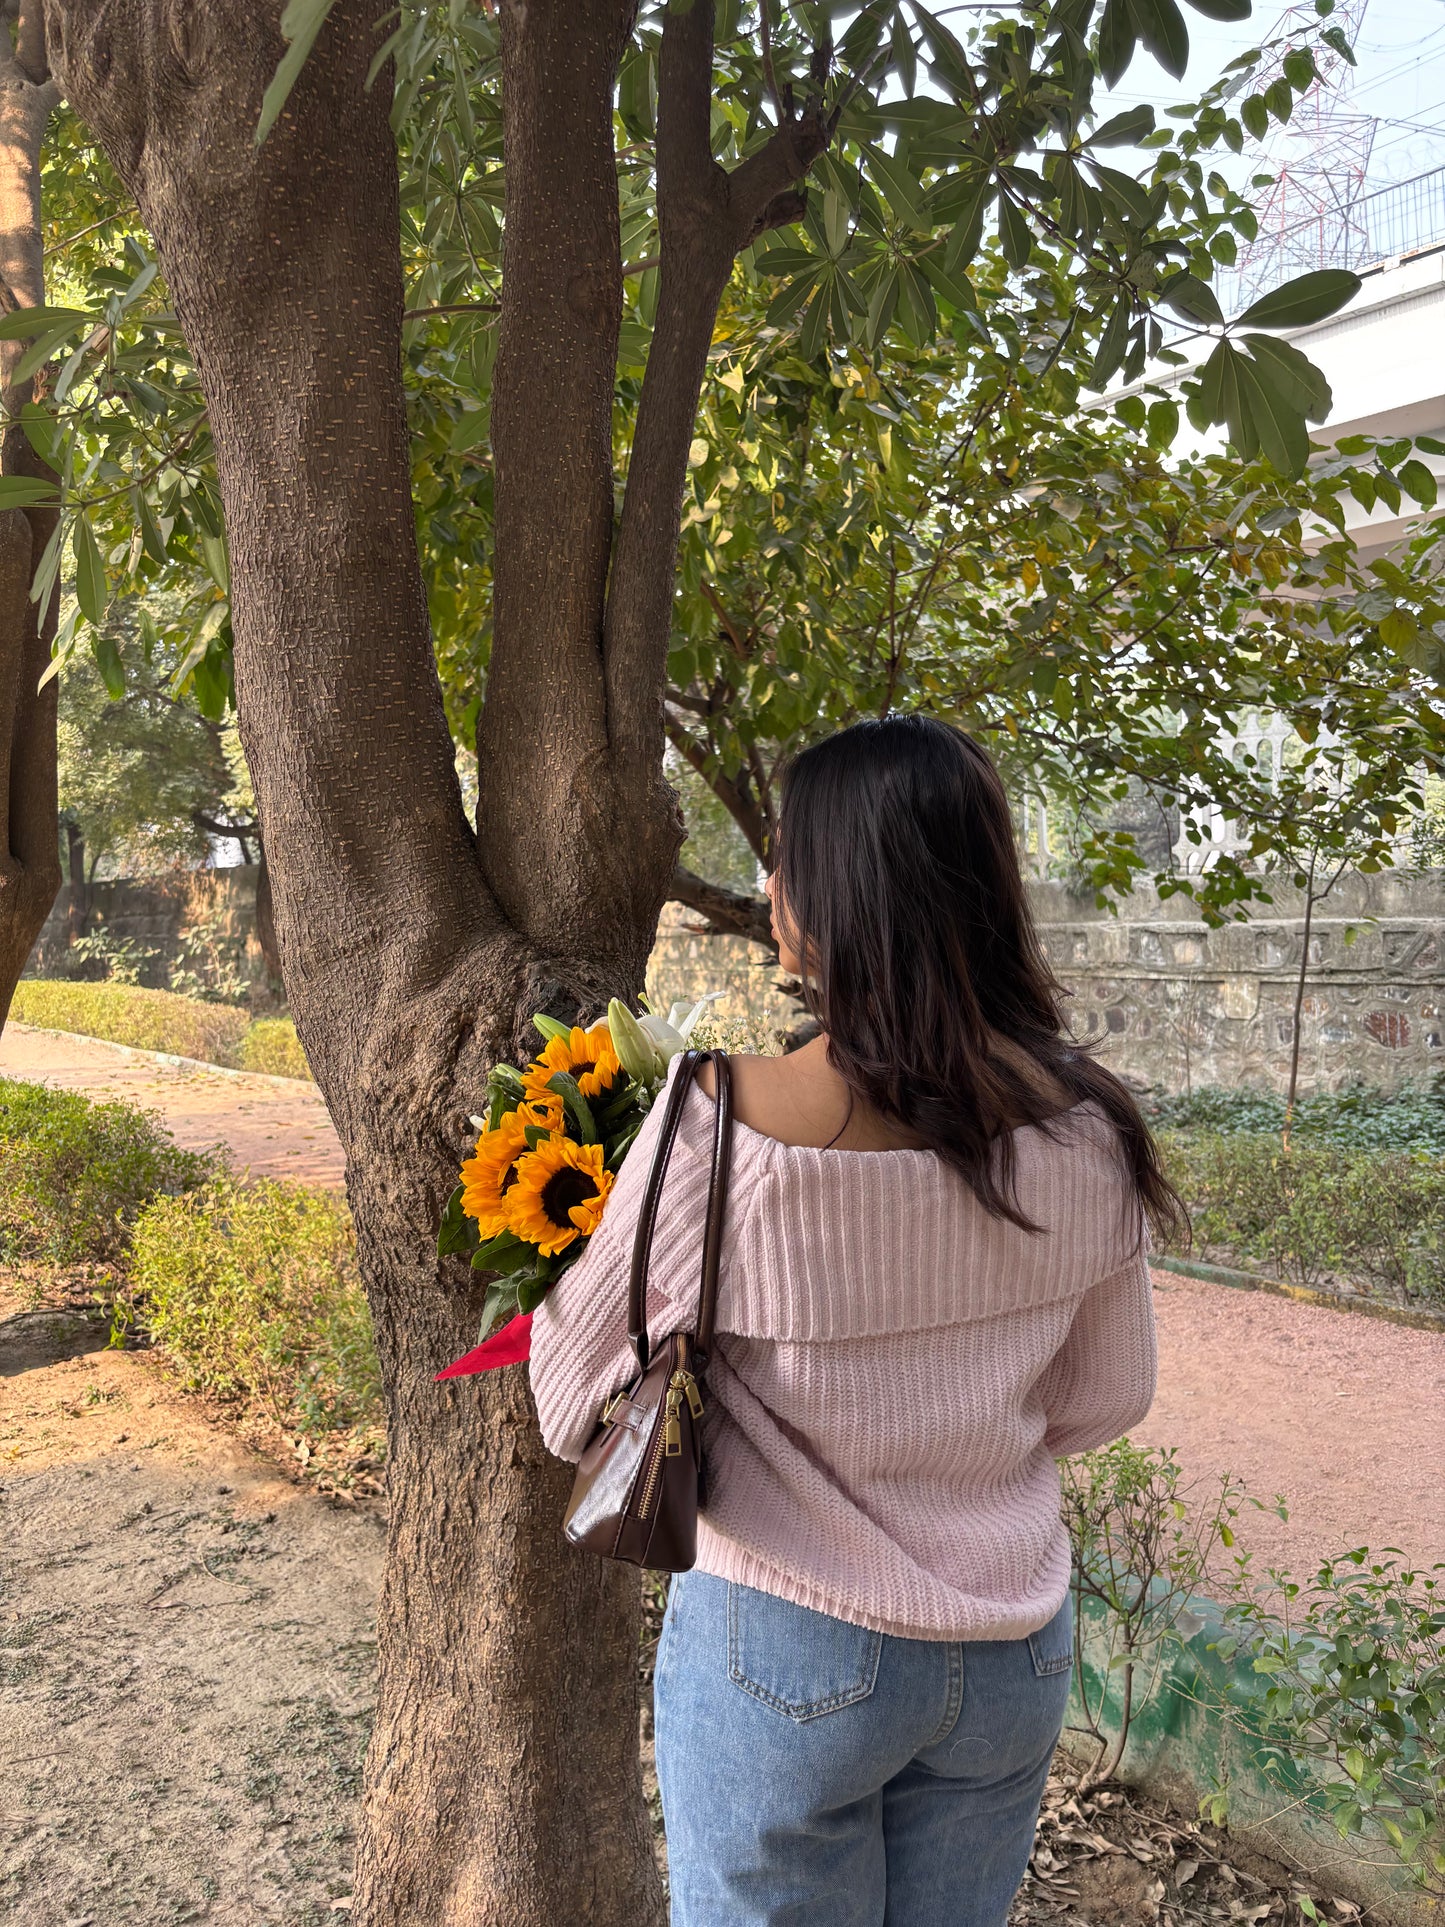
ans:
(580, 1349)
(1101, 1380)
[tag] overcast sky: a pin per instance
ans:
(1399, 81)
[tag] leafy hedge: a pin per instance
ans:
(271, 1045)
(1361, 1116)
(253, 1291)
(75, 1175)
(1318, 1214)
(160, 1020)
(126, 1014)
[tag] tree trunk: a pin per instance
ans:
(29, 831)
(503, 1782)
(266, 915)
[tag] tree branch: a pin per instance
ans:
(732, 795)
(732, 913)
(705, 216)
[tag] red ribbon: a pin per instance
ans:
(509, 1346)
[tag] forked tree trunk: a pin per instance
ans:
(29, 834)
(503, 1781)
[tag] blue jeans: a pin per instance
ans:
(816, 1774)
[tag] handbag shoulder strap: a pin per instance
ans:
(687, 1070)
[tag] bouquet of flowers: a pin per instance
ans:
(548, 1151)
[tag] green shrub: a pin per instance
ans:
(74, 1174)
(1318, 1211)
(126, 1014)
(254, 1293)
(1362, 1117)
(271, 1045)
(1356, 1672)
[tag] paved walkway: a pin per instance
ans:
(273, 1129)
(1343, 1414)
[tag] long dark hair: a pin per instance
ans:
(904, 899)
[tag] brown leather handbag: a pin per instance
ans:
(641, 1479)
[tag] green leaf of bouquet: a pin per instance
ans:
(500, 1302)
(498, 1247)
(1223, 9)
(550, 1027)
(535, 1133)
(514, 1258)
(532, 1289)
(457, 1233)
(1309, 297)
(620, 1146)
(578, 1109)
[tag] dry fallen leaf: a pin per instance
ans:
(1184, 1870)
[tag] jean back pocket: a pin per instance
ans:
(799, 1662)
(1051, 1648)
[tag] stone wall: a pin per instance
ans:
(216, 908)
(1171, 1003)
(1175, 1004)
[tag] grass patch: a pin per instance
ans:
(1360, 1117)
(163, 1021)
(126, 1014)
(271, 1045)
(75, 1174)
(254, 1294)
(1322, 1213)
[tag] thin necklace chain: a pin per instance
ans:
(848, 1119)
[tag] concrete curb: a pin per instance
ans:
(1181, 1747)
(1418, 1316)
(169, 1058)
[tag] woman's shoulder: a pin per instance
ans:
(800, 1103)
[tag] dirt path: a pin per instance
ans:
(274, 1129)
(1343, 1414)
(186, 1653)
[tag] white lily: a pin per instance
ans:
(670, 1034)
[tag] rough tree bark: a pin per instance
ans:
(29, 836)
(502, 1781)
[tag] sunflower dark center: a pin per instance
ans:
(564, 1190)
(581, 1070)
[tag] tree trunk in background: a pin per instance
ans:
(503, 1782)
(266, 915)
(29, 830)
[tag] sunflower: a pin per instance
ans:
(558, 1197)
(586, 1055)
(490, 1173)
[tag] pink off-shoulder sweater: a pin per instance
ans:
(894, 1371)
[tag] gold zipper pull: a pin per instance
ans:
(672, 1424)
(694, 1394)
